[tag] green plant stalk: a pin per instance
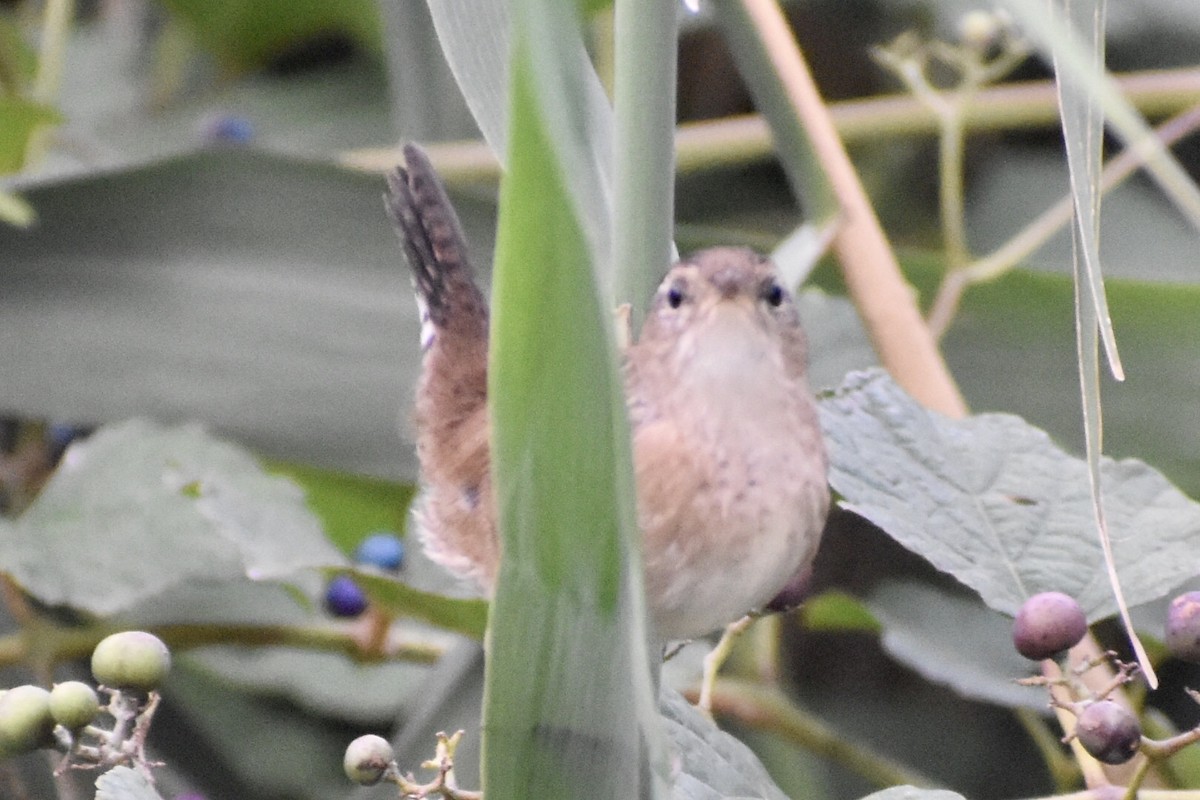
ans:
(951, 144)
(792, 141)
(56, 24)
(770, 710)
(644, 181)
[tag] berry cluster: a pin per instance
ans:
(129, 666)
(1049, 624)
(344, 597)
(369, 760)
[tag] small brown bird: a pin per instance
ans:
(729, 460)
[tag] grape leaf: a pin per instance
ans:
(139, 508)
(123, 783)
(995, 503)
(712, 764)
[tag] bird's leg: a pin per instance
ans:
(717, 657)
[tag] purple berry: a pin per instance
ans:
(383, 550)
(793, 593)
(1108, 731)
(1048, 624)
(1183, 627)
(344, 597)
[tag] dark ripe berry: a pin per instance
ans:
(1110, 732)
(1183, 627)
(383, 550)
(132, 660)
(793, 593)
(366, 759)
(1048, 624)
(344, 597)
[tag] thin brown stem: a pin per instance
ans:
(873, 278)
(746, 139)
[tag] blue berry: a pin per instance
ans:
(230, 129)
(383, 550)
(344, 598)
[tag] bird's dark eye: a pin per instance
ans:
(674, 297)
(773, 294)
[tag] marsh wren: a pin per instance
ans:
(729, 461)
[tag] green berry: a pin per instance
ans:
(1110, 732)
(367, 758)
(25, 721)
(133, 660)
(73, 704)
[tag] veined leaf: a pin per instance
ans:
(993, 502)
(138, 509)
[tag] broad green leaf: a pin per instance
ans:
(19, 120)
(262, 296)
(955, 641)
(1012, 348)
(992, 501)
(247, 35)
(138, 509)
(712, 764)
(568, 709)
(123, 783)
(350, 506)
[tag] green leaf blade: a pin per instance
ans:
(568, 701)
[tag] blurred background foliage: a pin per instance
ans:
(197, 235)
